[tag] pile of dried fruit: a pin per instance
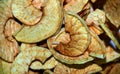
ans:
(59, 36)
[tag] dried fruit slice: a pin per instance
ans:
(79, 34)
(111, 54)
(49, 64)
(75, 6)
(69, 59)
(24, 59)
(48, 25)
(96, 29)
(91, 69)
(112, 10)
(94, 16)
(24, 11)
(96, 47)
(8, 45)
(6, 67)
(115, 69)
(109, 33)
(74, 51)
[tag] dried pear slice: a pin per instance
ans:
(109, 33)
(79, 34)
(112, 10)
(111, 54)
(24, 59)
(49, 64)
(48, 25)
(75, 6)
(96, 47)
(8, 45)
(24, 11)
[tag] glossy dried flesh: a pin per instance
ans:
(25, 12)
(112, 10)
(75, 6)
(79, 36)
(24, 59)
(8, 45)
(48, 25)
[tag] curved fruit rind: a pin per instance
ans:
(49, 24)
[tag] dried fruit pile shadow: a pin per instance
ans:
(59, 37)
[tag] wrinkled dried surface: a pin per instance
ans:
(111, 54)
(112, 9)
(94, 16)
(90, 69)
(29, 15)
(8, 45)
(75, 6)
(49, 64)
(48, 25)
(96, 29)
(24, 59)
(96, 47)
(69, 59)
(79, 36)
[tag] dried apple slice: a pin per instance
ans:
(109, 34)
(49, 64)
(79, 34)
(49, 24)
(75, 6)
(74, 51)
(24, 59)
(111, 54)
(96, 29)
(24, 11)
(6, 67)
(8, 44)
(90, 69)
(96, 47)
(112, 10)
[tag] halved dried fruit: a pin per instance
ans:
(24, 11)
(96, 47)
(24, 59)
(49, 64)
(75, 6)
(49, 24)
(112, 10)
(8, 44)
(79, 36)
